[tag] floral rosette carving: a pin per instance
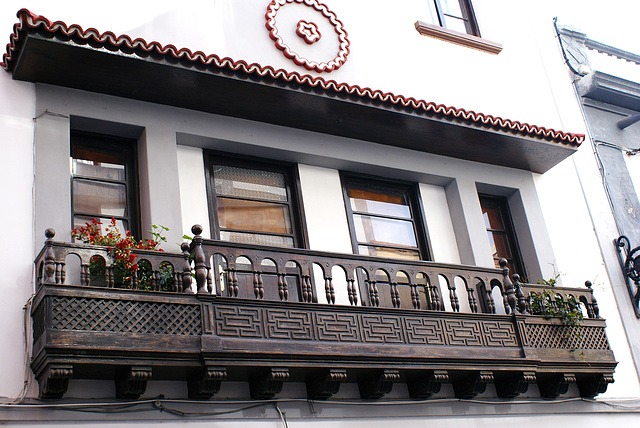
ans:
(309, 32)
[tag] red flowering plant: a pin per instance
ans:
(119, 247)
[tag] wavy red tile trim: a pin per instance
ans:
(140, 47)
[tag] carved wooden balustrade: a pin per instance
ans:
(224, 311)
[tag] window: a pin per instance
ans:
(103, 180)
(457, 15)
(383, 219)
(254, 202)
(502, 238)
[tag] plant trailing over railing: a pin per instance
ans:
(126, 270)
(550, 304)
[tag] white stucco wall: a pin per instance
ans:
(16, 226)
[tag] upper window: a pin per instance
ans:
(502, 237)
(383, 218)
(103, 181)
(457, 15)
(254, 202)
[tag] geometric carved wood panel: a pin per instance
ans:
(329, 326)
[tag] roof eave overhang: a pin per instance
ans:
(610, 89)
(187, 84)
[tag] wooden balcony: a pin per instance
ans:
(232, 312)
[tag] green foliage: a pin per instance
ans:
(552, 305)
(551, 282)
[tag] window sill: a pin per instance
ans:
(456, 37)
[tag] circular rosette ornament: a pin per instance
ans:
(305, 29)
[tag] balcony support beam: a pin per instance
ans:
(324, 384)
(512, 384)
(207, 383)
(267, 383)
(467, 385)
(425, 384)
(377, 384)
(55, 380)
(131, 382)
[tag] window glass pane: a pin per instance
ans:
(492, 216)
(455, 24)
(257, 239)
(499, 245)
(98, 198)
(249, 183)
(392, 253)
(376, 230)
(377, 202)
(253, 216)
(100, 170)
(451, 7)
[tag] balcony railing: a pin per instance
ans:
(222, 311)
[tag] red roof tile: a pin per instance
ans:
(141, 48)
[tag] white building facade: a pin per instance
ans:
(358, 171)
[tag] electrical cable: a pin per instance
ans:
(564, 52)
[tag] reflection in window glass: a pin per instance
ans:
(377, 202)
(381, 219)
(502, 239)
(249, 183)
(384, 231)
(102, 199)
(252, 202)
(103, 184)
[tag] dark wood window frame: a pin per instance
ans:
(470, 38)
(515, 261)
(413, 197)
(107, 144)
(468, 16)
(292, 180)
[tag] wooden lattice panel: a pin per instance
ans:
(566, 337)
(125, 316)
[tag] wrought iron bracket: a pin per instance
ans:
(630, 263)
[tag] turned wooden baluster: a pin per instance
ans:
(233, 282)
(329, 291)
(199, 260)
(351, 291)
(510, 299)
(133, 282)
(84, 274)
(109, 276)
(395, 295)
(373, 293)
(522, 300)
(473, 304)
(491, 305)
(210, 280)
(307, 289)
(415, 297)
(258, 286)
(453, 295)
(60, 272)
(186, 269)
(283, 287)
(594, 303)
(434, 291)
(49, 270)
